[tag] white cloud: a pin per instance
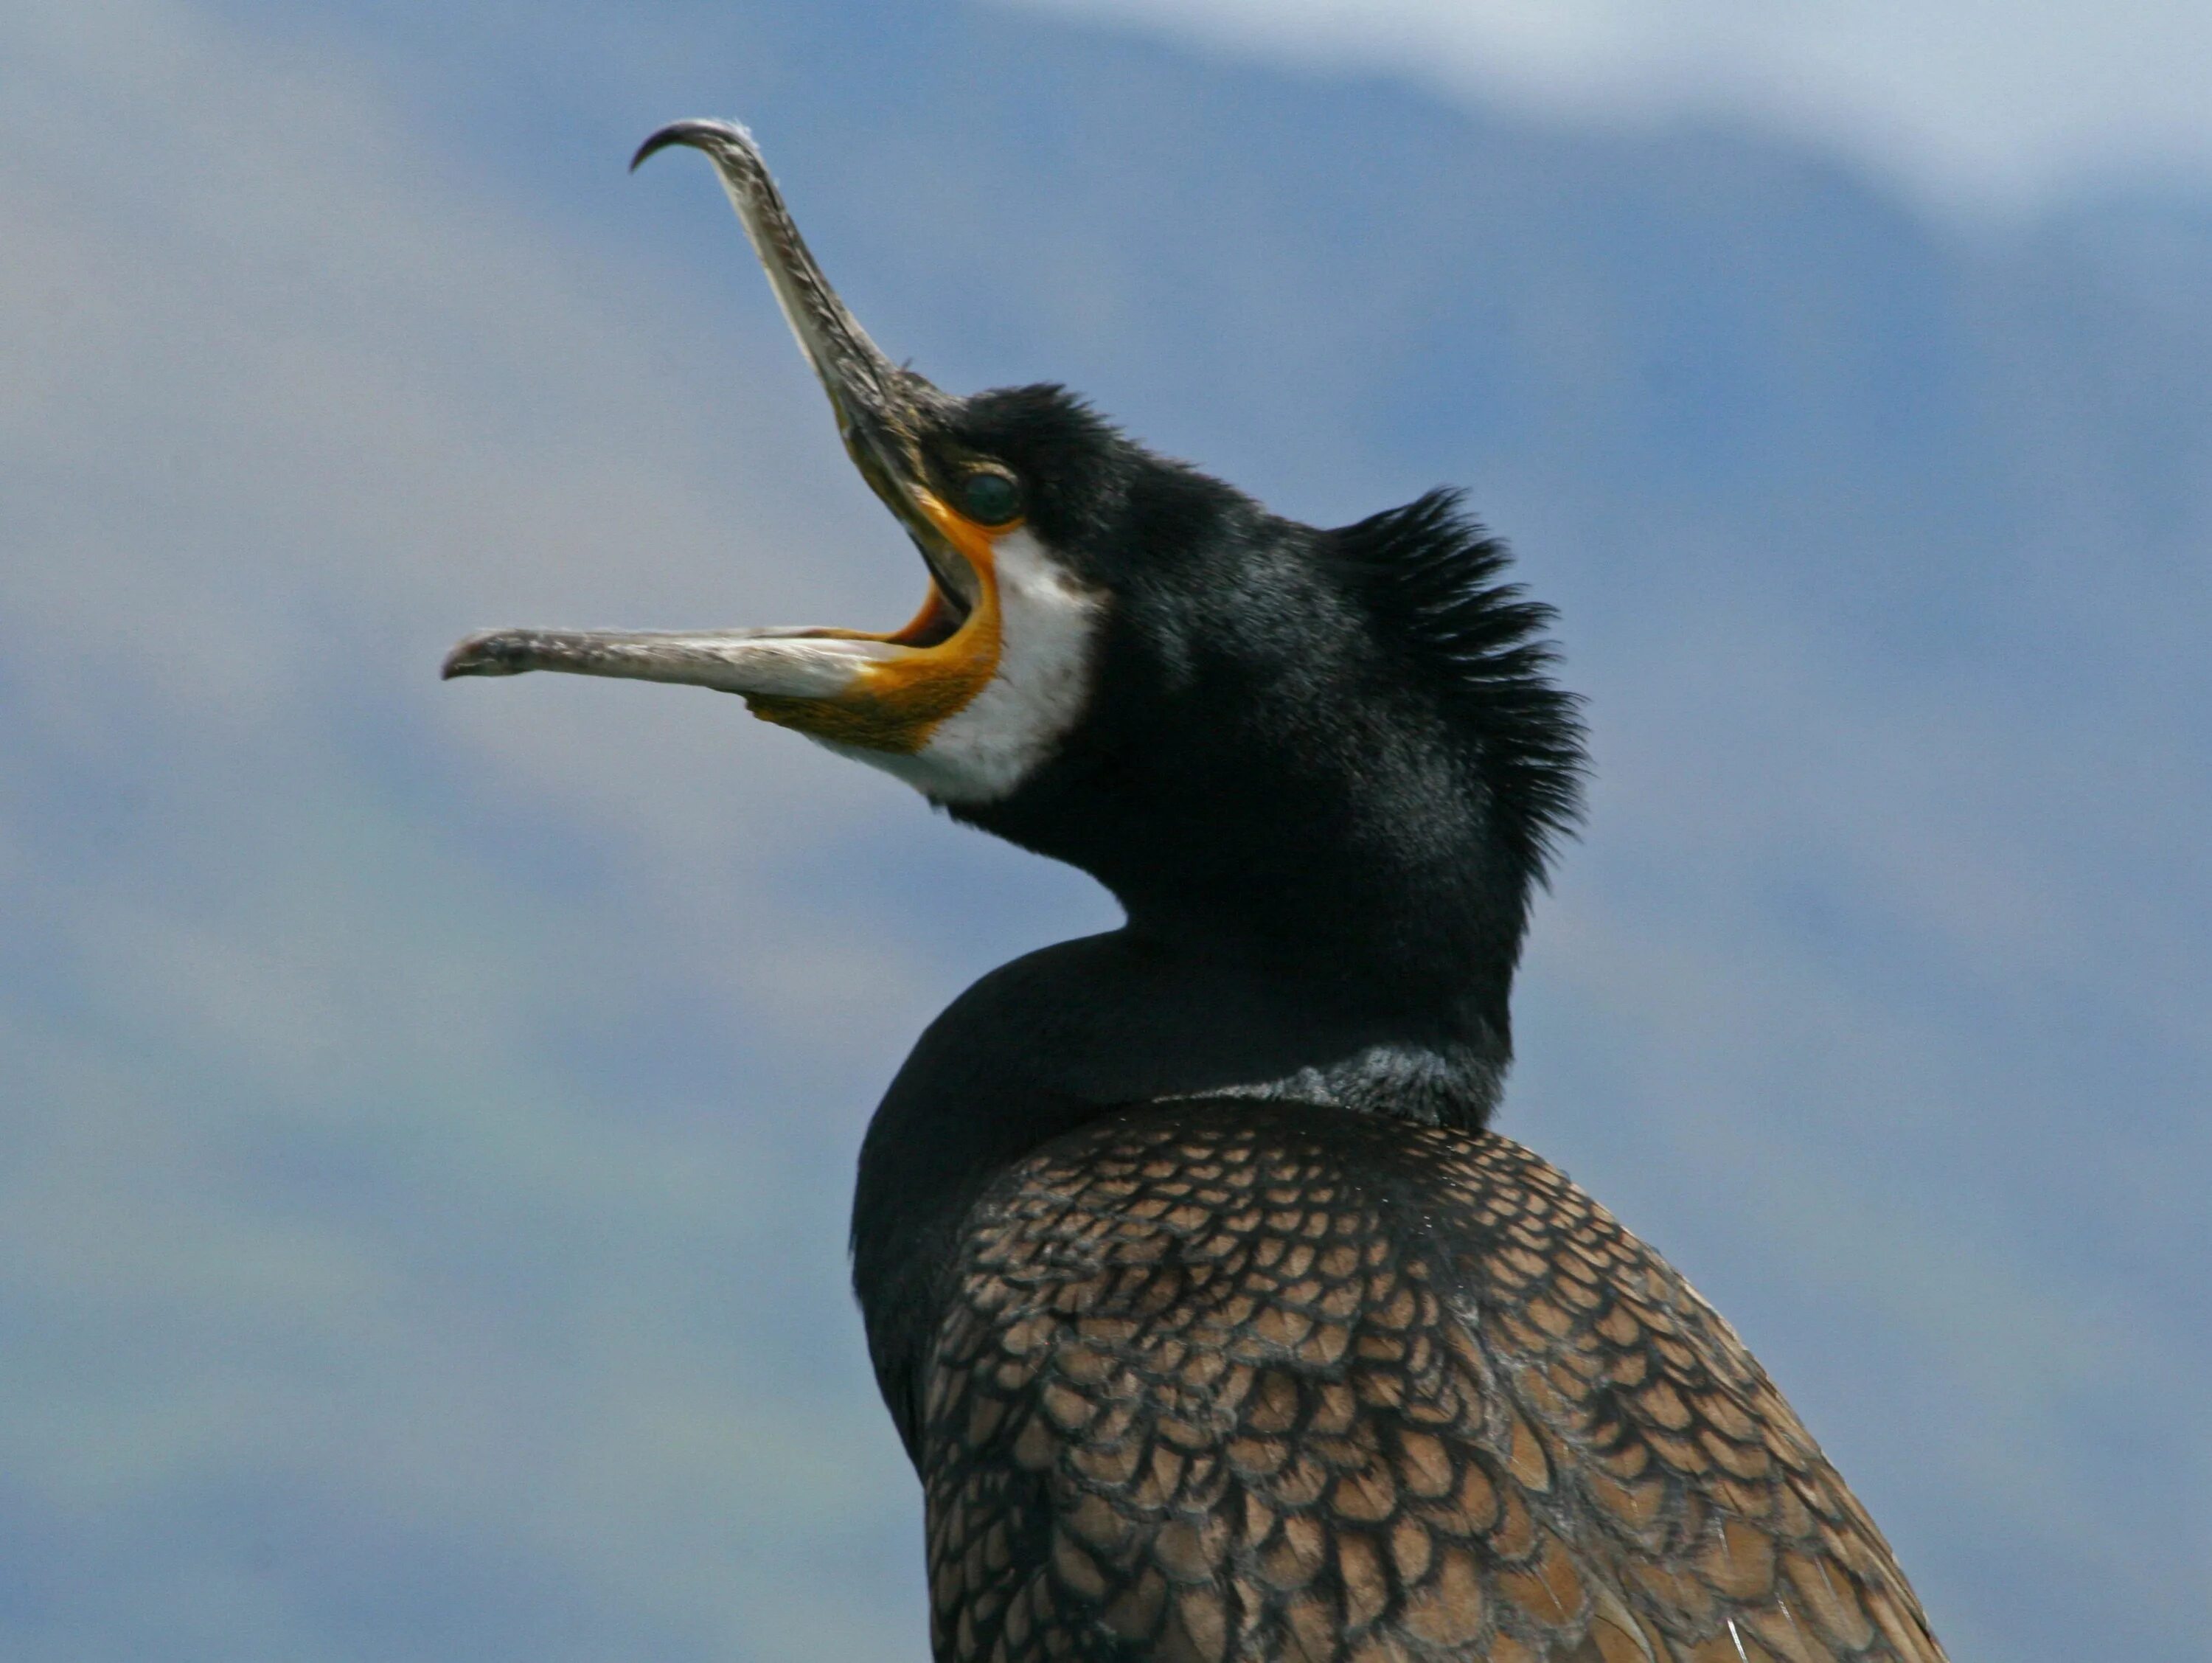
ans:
(1987, 104)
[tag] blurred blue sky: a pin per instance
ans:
(424, 1162)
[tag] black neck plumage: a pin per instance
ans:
(1091, 1027)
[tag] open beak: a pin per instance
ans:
(880, 691)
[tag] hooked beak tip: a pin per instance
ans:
(699, 135)
(489, 653)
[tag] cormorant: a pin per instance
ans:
(1215, 1321)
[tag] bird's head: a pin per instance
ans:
(1249, 730)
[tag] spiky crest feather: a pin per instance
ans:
(1432, 576)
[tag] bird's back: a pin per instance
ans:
(1230, 1379)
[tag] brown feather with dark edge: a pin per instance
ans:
(1207, 1390)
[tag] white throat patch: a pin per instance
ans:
(1049, 624)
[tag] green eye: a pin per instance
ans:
(989, 499)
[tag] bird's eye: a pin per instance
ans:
(989, 498)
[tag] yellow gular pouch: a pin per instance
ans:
(896, 703)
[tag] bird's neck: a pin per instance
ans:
(1357, 877)
(1144, 1014)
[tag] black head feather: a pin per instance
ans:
(1433, 579)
